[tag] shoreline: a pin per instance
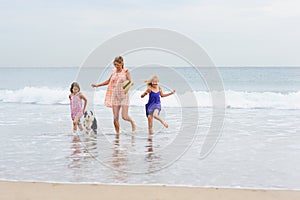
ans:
(42, 190)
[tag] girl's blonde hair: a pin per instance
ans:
(74, 84)
(120, 60)
(149, 82)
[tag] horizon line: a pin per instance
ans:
(167, 65)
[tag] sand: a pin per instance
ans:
(47, 191)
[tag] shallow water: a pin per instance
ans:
(259, 148)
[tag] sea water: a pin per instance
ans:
(258, 145)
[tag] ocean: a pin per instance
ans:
(258, 145)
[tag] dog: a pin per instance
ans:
(90, 122)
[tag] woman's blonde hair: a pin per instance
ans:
(120, 60)
(149, 82)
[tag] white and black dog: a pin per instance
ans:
(90, 122)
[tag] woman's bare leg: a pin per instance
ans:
(126, 117)
(156, 116)
(116, 111)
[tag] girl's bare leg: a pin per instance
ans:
(126, 117)
(116, 111)
(75, 123)
(150, 124)
(156, 116)
(74, 126)
(80, 125)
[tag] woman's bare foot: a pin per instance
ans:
(150, 131)
(165, 124)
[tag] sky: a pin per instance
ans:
(62, 33)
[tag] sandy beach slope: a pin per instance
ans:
(47, 191)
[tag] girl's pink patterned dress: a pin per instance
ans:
(76, 106)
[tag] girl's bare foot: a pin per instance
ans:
(80, 126)
(74, 127)
(133, 126)
(165, 124)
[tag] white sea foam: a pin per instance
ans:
(233, 99)
(35, 95)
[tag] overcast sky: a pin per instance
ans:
(234, 32)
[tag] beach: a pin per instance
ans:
(37, 191)
(212, 110)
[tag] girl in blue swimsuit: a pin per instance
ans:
(153, 106)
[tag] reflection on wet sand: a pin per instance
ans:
(123, 156)
(127, 156)
(90, 147)
(149, 147)
(82, 149)
(75, 156)
(152, 157)
(120, 160)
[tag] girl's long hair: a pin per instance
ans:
(74, 84)
(149, 82)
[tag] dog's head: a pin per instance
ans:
(89, 115)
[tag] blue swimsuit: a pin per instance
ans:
(153, 103)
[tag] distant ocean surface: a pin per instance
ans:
(245, 87)
(259, 146)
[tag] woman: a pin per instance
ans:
(115, 97)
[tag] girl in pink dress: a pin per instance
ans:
(76, 98)
(115, 97)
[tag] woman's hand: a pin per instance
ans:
(94, 85)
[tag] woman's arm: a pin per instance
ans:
(81, 96)
(165, 95)
(146, 92)
(101, 84)
(128, 76)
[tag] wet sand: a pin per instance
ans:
(46, 191)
